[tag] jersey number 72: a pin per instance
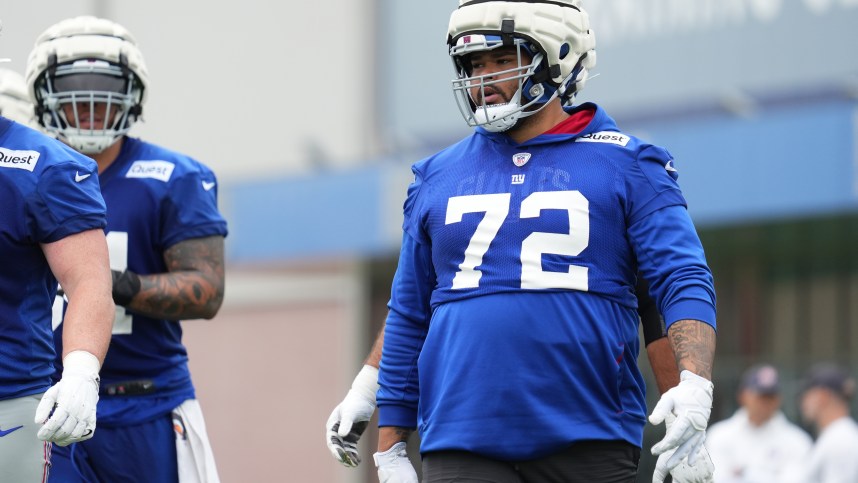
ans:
(496, 209)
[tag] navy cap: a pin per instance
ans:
(762, 379)
(831, 377)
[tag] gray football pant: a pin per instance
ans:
(24, 458)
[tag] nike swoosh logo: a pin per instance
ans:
(208, 186)
(79, 177)
(4, 433)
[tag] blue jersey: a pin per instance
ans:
(49, 192)
(155, 199)
(513, 329)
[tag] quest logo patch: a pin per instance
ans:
(610, 137)
(19, 159)
(161, 170)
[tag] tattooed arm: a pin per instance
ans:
(392, 459)
(693, 344)
(193, 286)
(686, 408)
(390, 435)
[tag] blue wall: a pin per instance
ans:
(327, 214)
(787, 161)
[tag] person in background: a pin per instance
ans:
(51, 229)
(827, 390)
(88, 80)
(757, 443)
(15, 102)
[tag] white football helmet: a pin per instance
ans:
(88, 81)
(556, 35)
(14, 101)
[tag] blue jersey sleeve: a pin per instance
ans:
(405, 331)
(671, 259)
(412, 223)
(651, 183)
(68, 200)
(190, 210)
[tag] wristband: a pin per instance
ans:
(126, 285)
(81, 362)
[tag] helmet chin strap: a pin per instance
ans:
(497, 117)
(503, 117)
(87, 145)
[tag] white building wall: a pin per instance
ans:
(252, 88)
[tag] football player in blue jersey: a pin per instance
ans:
(88, 80)
(51, 229)
(512, 337)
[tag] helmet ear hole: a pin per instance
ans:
(564, 50)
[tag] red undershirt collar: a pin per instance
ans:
(575, 123)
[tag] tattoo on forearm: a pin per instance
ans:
(403, 433)
(192, 287)
(693, 346)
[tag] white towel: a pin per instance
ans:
(194, 453)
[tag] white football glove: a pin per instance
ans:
(703, 471)
(394, 466)
(68, 408)
(350, 418)
(690, 402)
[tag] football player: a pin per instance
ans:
(51, 229)
(14, 101)
(521, 245)
(88, 81)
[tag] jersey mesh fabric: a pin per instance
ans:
(58, 195)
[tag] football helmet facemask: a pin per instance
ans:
(555, 35)
(88, 81)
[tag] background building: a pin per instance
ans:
(312, 113)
